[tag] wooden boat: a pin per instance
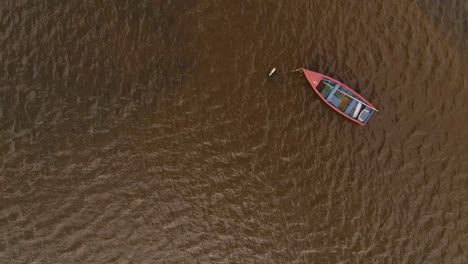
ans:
(340, 97)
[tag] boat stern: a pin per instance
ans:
(313, 77)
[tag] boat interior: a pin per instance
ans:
(344, 100)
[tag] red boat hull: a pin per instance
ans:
(314, 79)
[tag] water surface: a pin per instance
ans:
(148, 132)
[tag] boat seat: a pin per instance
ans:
(350, 107)
(332, 93)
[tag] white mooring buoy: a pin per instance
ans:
(272, 72)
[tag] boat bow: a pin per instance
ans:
(313, 77)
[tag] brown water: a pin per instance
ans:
(148, 132)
